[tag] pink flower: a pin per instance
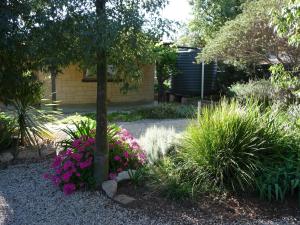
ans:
(66, 177)
(76, 143)
(69, 188)
(126, 155)
(119, 170)
(117, 158)
(56, 162)
(85, 164)
(91, 140)
(68, 165)
(77, 156)
(58, 171)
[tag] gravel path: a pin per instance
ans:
(27, 198)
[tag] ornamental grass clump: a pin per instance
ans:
(228, 149)
(73, 166)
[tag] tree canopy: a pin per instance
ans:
(250, 39)
(287, 22)
(208, 17)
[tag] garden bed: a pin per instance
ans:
(208, 209)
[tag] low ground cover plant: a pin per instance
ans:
(73, 166)
(237, 148)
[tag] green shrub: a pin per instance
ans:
(230, 148)
(23, 94)
(261, 90)
(167, 111)
(6, 131)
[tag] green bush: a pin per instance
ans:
(261, 90)
(6, 131)
(229, 149)
(166, 111)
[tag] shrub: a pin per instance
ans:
(230, 148)
(167, 111)
(158, 141)
(6, 131)
(24, 92)
(73, 166)
(261, 90)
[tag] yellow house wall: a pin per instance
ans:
(71, 90)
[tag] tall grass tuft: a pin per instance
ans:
(228, 147)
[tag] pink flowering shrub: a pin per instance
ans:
(124, 153)
(73, 167)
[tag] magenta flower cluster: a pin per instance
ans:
(73, 167)
(125, 153)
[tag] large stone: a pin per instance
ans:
(124, 199)
(110, 188)
(6, 157)
(125, 175)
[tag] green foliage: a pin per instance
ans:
(6, 131)
(286, 84)
(261, 90)
(85, 128)
(287, 21)
(167, 111)
(23, 94)
(279, 180)
(166, 58)
(283, 87)
(210, 15)
(235, 148)
(249, 39)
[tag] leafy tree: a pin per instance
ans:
(249, 39)
(166, 57)
(118, 32)
(287, 22)
(209, 16)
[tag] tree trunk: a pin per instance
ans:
(101, 153)
(53, 88)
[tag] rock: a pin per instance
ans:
(124, 199)
(6, 157)
(110, 188)
(125, 175)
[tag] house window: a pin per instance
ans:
(90, 74)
